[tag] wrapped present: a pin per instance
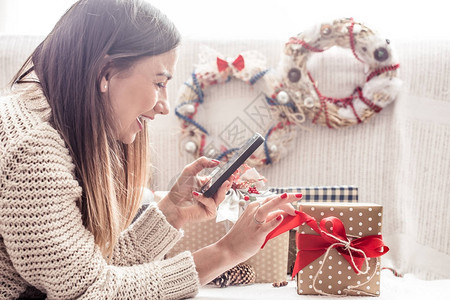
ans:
(350, 243)
(339, 193)
(339, 248)
(269, 264)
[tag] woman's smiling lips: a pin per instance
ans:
(147, 118)
(142, 118)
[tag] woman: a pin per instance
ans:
(73, 163)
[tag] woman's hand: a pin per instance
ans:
(259, 218)
(245, 238)
(184, 203)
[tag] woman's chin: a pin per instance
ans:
(128, 139)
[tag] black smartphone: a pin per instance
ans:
(222, 173)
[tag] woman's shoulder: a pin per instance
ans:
(25, 113)
(27, 98)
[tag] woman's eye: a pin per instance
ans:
(161, 85)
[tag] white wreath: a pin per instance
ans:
(382, 85)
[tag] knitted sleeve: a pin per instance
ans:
(48, 245)
(147, 239)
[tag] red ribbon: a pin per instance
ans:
(238, 63)
(312, 247)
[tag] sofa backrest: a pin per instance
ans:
(14, 50)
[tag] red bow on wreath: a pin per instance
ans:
(312, 247)
(238, 63)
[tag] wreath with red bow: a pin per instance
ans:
(250, 68)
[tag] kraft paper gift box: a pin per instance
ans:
(338, 193)
(269, 263)
(344, 258)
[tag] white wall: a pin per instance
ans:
(254, 18)
(31, 16)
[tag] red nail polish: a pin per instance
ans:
(195, 193)
(283, 196)
(216, 161)
(279, 218)
(298, 196)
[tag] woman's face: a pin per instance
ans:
(139, 93)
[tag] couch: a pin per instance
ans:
(399, 158)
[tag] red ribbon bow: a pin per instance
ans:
(238, 63)
(312, 247)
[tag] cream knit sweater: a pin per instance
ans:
(43, 243)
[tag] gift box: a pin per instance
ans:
(341, 193)
(339, 249)
(269, 263)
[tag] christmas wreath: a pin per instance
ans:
(250, 68)
(381, 83)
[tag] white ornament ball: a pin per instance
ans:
(211, 152)
(308, 102)
(283, 97)
(189, 109)
(190, 147)
(357, 28)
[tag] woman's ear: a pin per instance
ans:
(104, 81)
(104, 84)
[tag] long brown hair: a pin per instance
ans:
(91, 38)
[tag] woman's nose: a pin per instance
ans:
(162, 107)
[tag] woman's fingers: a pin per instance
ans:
(273, 223)
(273, 209)
(275, 214)
(223, 190)
(282, 201)
(208, 204)
(272, 220)
(211, 204)
(199, 164)
(288, 208)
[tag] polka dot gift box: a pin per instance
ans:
(339, 249)
(338, 193)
